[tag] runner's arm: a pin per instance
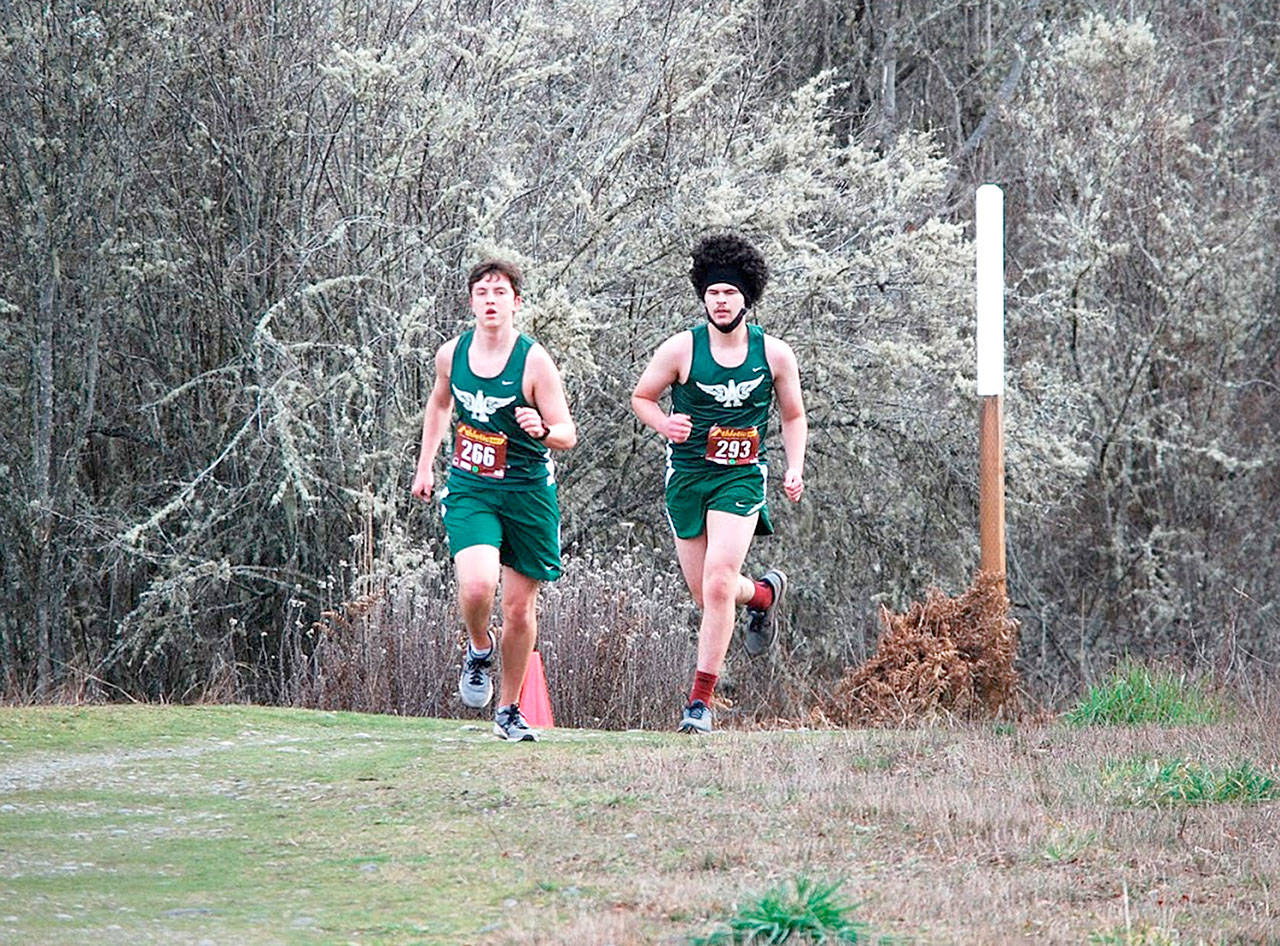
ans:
(795, 427)
(435, 422)
(550, 413)
(662, 372)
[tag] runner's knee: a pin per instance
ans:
(476, 590)
(518, 614)
(719, 584)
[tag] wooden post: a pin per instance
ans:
(991, 486)
(989, 247)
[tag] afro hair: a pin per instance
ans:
(721, 251)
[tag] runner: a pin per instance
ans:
(500, 508)
(721, 384)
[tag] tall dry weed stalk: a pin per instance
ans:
(389, 650)
(618, 646)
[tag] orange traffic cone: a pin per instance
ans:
(535, 702)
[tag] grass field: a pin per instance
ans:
(220, 824)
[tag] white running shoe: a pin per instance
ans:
(475, 685)
(696, 718)
(508, 724)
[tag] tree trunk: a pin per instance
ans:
(42, 480)
(889, 83)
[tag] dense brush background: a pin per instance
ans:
(235, 233)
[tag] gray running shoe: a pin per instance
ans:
(475, 686)
(761, 626)
(696, 718)
(508, 724)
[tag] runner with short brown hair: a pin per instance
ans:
(500, 508)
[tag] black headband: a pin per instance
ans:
(726, 274)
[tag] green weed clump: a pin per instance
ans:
(1067, 845)
(1136, 694)
(811, 913)
(1154, 783)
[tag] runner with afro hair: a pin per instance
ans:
(722, 384)
(726, 256)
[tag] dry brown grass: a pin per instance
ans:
(379, 829)
(386, 651)
(618, 652)
(944, 835)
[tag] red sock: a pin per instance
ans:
(704, 685)
(762, 600)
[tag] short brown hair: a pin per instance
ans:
(505, 267)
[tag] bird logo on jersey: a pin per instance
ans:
(479, 405)
(733, 393)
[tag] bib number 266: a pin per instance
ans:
(480, 452)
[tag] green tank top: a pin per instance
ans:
(489, 448)
(732, 401)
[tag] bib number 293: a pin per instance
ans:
(733, 446)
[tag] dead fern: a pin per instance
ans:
(943, 657)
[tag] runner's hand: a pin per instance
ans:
(530, 422)
(677, 427)
(793, 484)
(423, 483)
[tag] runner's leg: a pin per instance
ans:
(692, 554)
(727, 539)
(519, 630)
(478, 570)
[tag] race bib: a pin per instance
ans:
(480, 452)
(733, 446)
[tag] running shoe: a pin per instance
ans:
(762, 627)
(475, 686)
(696, 718)
(508, 724)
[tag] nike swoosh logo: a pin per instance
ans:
(757, 368)
(508, 383)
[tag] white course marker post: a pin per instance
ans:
(989, 244)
